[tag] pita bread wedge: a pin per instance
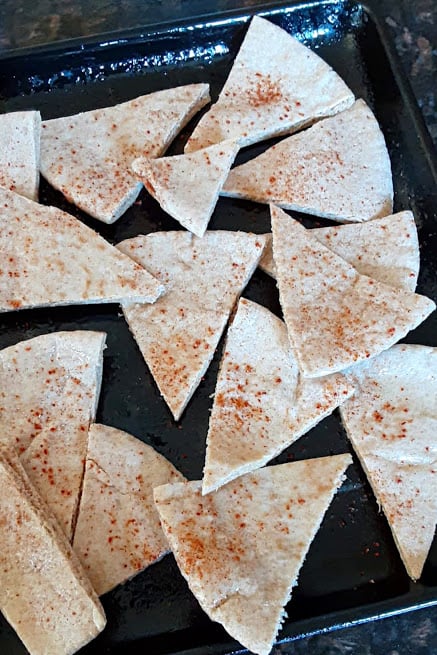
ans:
(88, 156)
(276, 86)
(48, 257)
(187, 186)
(391, 422)
(241, 548)
(203, 278)
(261, 404)
(49, 389)
(44, 592)
(386, 249)
(338, 169)
(335, 316)
(118, 533)
(19, 152)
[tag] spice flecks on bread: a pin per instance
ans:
(241, 548)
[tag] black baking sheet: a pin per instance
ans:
(353, 571)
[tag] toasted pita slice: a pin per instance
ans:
(88, 156)
(50, 258)
(335, 316)
(118, 533)
(262, 404)
(241, 548)
(276, 86)
(44, 592)
(391, 422)
(19, 152)
(386, 249)
(204, 278)
(54, 462)
(187, 186)
(338, 169)
(49, 389)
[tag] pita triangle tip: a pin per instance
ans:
(50, 258)
(204, 278)
(20, 133)
(241, 548)
(261, 404)
(391, 424)
(386, 249)
(99, 180)
(187, 186)
(118, 533)
(337, 169)
(276, 86)
(335, 316)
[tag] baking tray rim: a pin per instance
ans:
(127, 36)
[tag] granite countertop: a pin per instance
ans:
(413, 26)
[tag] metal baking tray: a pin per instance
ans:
(353, 572)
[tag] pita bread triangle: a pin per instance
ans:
(50, 258)
(335, 316)
(55, 596)
(241, 548)
(46, 407)
(88, 156)
(20, 152)
(386, 249)
(261, 403)
(338, 169)
(204, 278)
(276, 86)
(118, 533)
(187, 186)
(391, 423)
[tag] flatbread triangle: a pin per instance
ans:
(45, 594)
(276, 86)
(51, 258)
(386, 249)
(261, 403)
(338, 169)
(88, 156)
(46, 406)
(391, 423)
(241, 548)
(118, 532)
(335, 316)
(203, 278)
(20, 152)
(187, 186)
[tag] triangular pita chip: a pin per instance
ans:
(262, 404)
(335, 316)
(49, 389)
(19, 152)
(44, 592)
(276, 86)
(338, 169)
(392, 422)
(187, 186)
(88, 156)
(241, 548)
(118, 532)
(204, 278)
(48, 257)
(386, 249)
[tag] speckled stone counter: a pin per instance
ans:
(413, 26)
